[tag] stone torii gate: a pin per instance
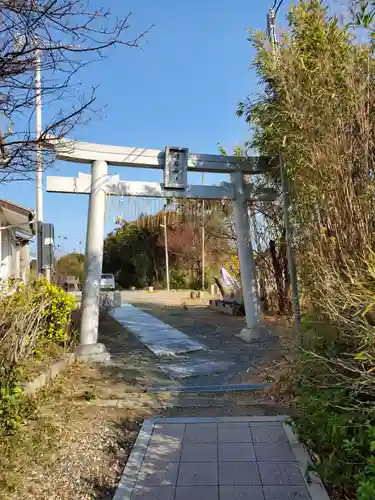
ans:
(175, 162)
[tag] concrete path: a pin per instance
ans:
(160, 338)
(255, 458)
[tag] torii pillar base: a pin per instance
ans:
(96, 353)
(258, 333)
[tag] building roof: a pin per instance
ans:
(18, 217)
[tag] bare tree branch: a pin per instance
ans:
(65, 36)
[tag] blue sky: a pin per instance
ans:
(181, 88)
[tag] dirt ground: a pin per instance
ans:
(81, 436)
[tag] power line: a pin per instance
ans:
(276, 8)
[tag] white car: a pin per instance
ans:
(107, 282)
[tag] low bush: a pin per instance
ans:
(333, 378)
(15, 407)
(178, 279)
(31, 320)
(336, 428)
(55, 306)
(335, 416)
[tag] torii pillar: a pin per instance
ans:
(89, 348)
(253, 329)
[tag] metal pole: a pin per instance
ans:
(39, 160)
(166, 252)
(89, 347)
(246, 258)
(203, 242)
(292, 269)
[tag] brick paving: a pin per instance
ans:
(218, 460)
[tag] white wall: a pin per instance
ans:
(10, 261)
(14, 258)
(5, 255)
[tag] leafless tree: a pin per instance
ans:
(66, 36)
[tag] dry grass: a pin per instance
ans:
(37, 364)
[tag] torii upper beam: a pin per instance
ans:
(87, 152)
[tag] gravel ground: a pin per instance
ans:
(92, 452)
(72, 449)
(258, 362)
(215, 330)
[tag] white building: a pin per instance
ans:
(16, 232)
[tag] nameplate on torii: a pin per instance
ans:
(113, 186)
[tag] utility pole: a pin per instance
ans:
(271, 26)
(39, 160)
(203, 242)
(271, 22)
(166, 251)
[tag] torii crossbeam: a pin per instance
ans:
(175, 162)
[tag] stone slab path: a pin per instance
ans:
(244, 458)
(160, 338)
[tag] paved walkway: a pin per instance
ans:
(218, 459)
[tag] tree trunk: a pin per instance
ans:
(278, 277)
(287, 288)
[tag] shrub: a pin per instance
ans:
(329, 424)
(53, 303)
(22, 325)
(366, 484)
(178, 279)
(333, 395)
(15, 408)
(318, 105)
(58, 308)
(30, 320)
